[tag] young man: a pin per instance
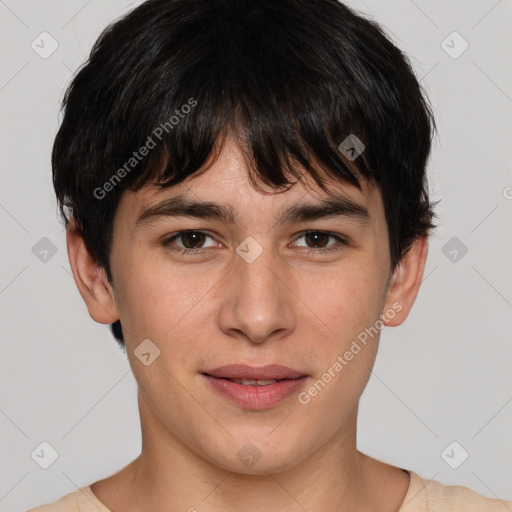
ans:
(243, 184)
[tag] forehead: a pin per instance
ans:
(226, 182)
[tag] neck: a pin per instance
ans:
(169, 474)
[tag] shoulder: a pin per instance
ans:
(81, 500)
(68, 503)
(426, 495)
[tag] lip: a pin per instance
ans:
(242, 371)
(289, 381)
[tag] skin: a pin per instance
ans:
(287, 307)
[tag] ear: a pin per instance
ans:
(90, 279)
(405, 283)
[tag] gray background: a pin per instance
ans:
(443, 376)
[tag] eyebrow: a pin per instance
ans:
(180, 205)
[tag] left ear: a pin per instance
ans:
(405, 283)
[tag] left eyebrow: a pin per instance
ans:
(328, 208)
(180, 205)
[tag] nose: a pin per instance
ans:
(257, 303)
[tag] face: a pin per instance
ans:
(276, 284)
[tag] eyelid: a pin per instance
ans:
(177, 234)
(338, 236)
(341, 242)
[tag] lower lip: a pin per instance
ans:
(256, 397)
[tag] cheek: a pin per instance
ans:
(144, 309)
(346, 351)
(346, 299)
(345, 306)
(166, 302)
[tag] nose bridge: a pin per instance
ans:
(259, 274)
(258, 303)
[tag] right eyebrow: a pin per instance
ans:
(181, 206)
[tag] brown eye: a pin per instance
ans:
(318, 242)
(192, 238)
(317, 238)
(192, 242)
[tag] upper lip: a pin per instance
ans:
(242, 371)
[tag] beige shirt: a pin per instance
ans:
(422, 496)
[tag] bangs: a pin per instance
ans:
(282, 101)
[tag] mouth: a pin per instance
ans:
(256, 388)
(242, 372)
(253, 382)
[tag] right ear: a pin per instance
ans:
(91, 280)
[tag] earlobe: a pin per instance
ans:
(90, 279)
(405, 283)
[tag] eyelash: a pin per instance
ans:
(197, 252)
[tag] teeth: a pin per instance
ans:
(252, 382)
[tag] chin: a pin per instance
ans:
(261, 453)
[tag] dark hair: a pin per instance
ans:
(289, 79)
